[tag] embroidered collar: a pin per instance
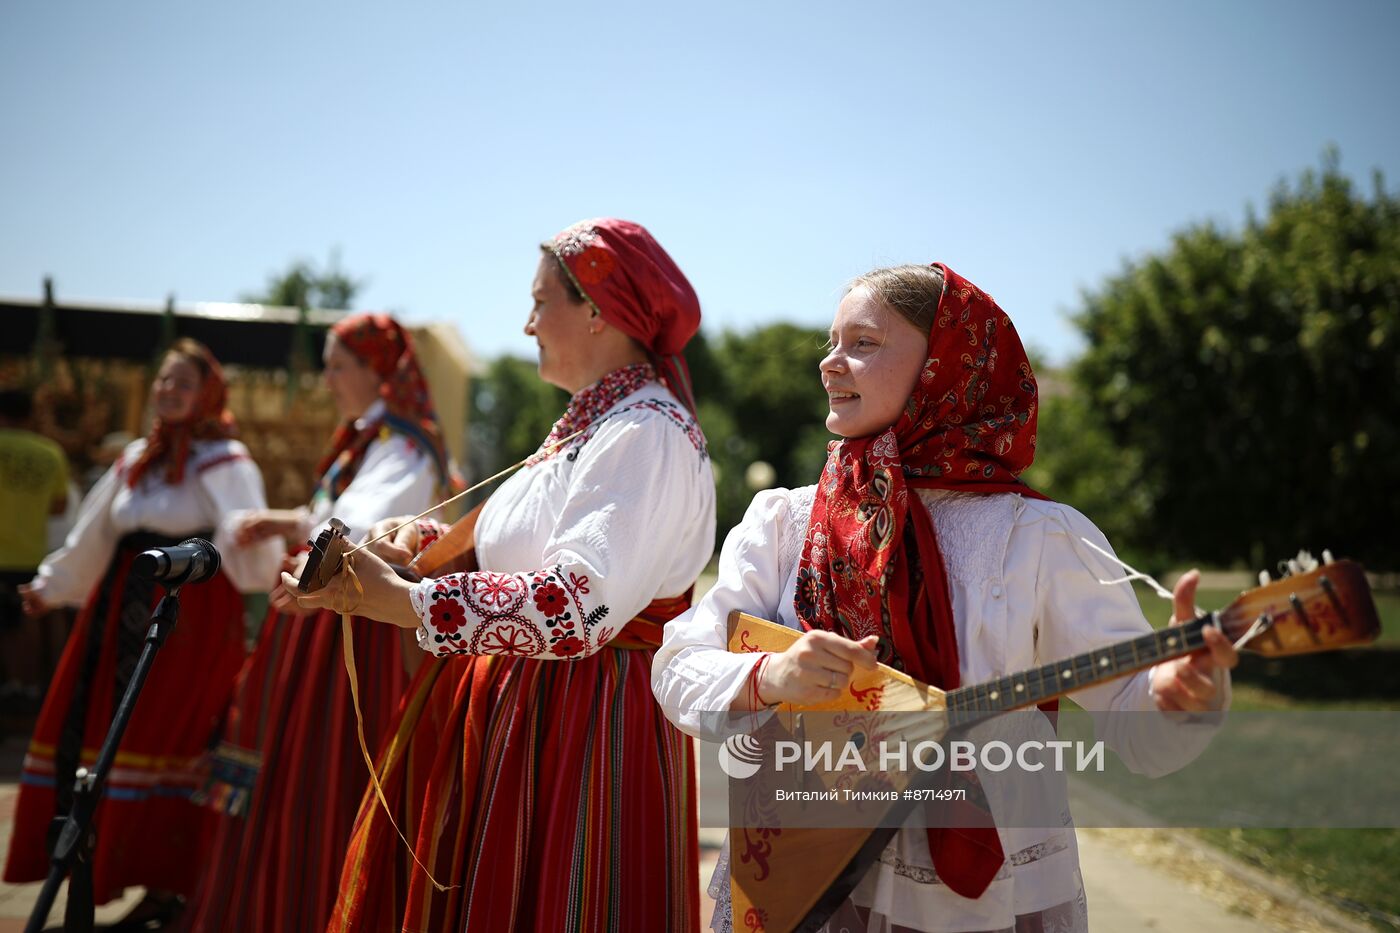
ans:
(591, 402)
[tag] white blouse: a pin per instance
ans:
(573, 547)
(221, 481)
(1025, 591)
(396, 477)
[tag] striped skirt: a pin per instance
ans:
(545, 795)
(289, 774)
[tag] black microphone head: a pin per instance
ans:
(146, 564)
(211, 556)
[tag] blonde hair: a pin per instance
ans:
(913, 291)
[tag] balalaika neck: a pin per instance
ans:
(967, 705)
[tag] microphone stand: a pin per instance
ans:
(76, 842)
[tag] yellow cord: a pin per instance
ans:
(347, 639)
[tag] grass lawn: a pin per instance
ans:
(1352, 869)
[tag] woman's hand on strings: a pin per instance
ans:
(366, 586)
(816, 668)
(400, 547)
(1193, 683)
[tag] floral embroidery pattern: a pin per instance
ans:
(549, 600)
(537, 614)
(495, 590)
(810, 589)
(510, 638)
(447, 616)
(567, 647)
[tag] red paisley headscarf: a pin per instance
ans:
(382, 343)
(871, 563)
(636, 287)
(169, 441)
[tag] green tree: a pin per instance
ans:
(512, 410)
(730, 451)
(775, 395)
(304, 286)
(1077, 463)
(760, 398)
(1253, 377)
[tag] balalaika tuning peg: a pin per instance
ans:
(1264, 578)
(1303, 563)
(1327, 557)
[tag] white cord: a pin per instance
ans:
(1134, 574)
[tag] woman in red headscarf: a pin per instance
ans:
(185, 478)
(288, 775)
(530, 770)
(920, 547)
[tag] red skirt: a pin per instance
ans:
(289, 774)
(148, 830)
(549, 795)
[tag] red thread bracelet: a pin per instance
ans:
(757, 675)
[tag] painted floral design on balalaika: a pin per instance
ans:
(793, 878)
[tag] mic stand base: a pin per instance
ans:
(74, 836)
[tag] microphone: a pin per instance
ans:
(192, 561)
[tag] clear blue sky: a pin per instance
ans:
(776, 149)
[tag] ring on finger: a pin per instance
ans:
(831, 684)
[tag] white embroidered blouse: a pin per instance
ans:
(221, 480)
(395, 477)
(573, 547)
(1025, 592)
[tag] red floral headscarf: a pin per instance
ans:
(169, 441)
(382, 343)
(636, 287)
(871, 563)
